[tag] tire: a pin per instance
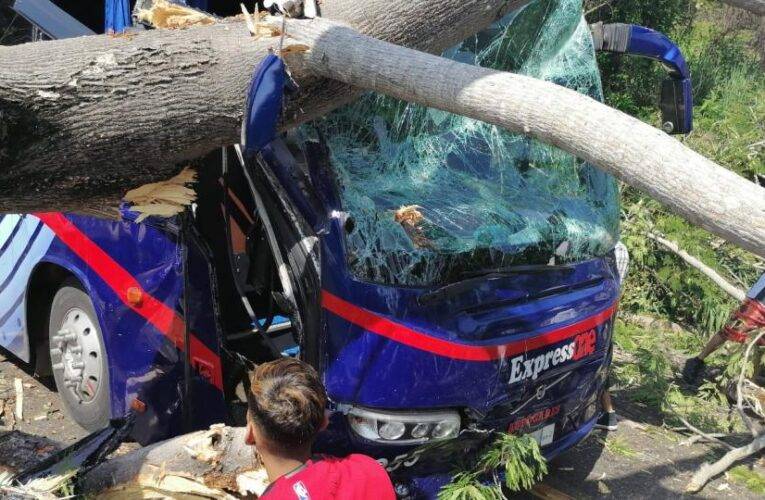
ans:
(78, 356)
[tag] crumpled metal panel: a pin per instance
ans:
(144, 341)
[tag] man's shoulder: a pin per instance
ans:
(363, 460)
(350, 477)
(358, 462)
(361, 475)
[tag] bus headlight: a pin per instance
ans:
(403, 427)
(420, 431)
(391, 431)
(445, 429)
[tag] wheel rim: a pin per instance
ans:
(76, 355)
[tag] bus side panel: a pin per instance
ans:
(208, 404)
(24, 240)
(143, 340)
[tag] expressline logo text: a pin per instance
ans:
(581, 346)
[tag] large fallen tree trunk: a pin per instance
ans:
(83, 120)
(165, 82)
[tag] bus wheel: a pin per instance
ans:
(78, 357)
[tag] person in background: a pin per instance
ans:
(286, 410)
(608, 420)
(745, 324)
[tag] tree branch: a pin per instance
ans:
(740, 384)
(702, 437)
(709, 437)
(707, 271)
(598, 7)
(707, 471)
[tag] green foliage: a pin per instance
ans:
(518, 457)
(649, 374)
(754, 481)
(521, 459)
(66, 490)
(729, 127)
(661, 284)
(730, 123)
(647, 379)
(467, 486)
(619, 446)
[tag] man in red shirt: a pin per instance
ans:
(286, 410)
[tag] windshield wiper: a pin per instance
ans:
(476, 277)
(527, 269)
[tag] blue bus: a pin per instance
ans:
(441, 274)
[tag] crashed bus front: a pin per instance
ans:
(446, 278)
(467, 273)
(494, 264)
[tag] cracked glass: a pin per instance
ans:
(434, 197)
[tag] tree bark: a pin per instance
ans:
(83, 120)
(753, 6)
(691, 185)
(203, 464)
(707, 471)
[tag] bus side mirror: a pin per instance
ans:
(676, 100)
(676, 104)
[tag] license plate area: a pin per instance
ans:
(544, 435)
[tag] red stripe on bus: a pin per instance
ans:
(404, 335)
(162, 317)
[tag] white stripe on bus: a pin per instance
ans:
(13, 327)
(6, 226)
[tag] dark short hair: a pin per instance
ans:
(286, 401)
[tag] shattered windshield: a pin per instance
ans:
(434, 196)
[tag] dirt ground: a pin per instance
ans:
(639, 460)
(44, 427)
